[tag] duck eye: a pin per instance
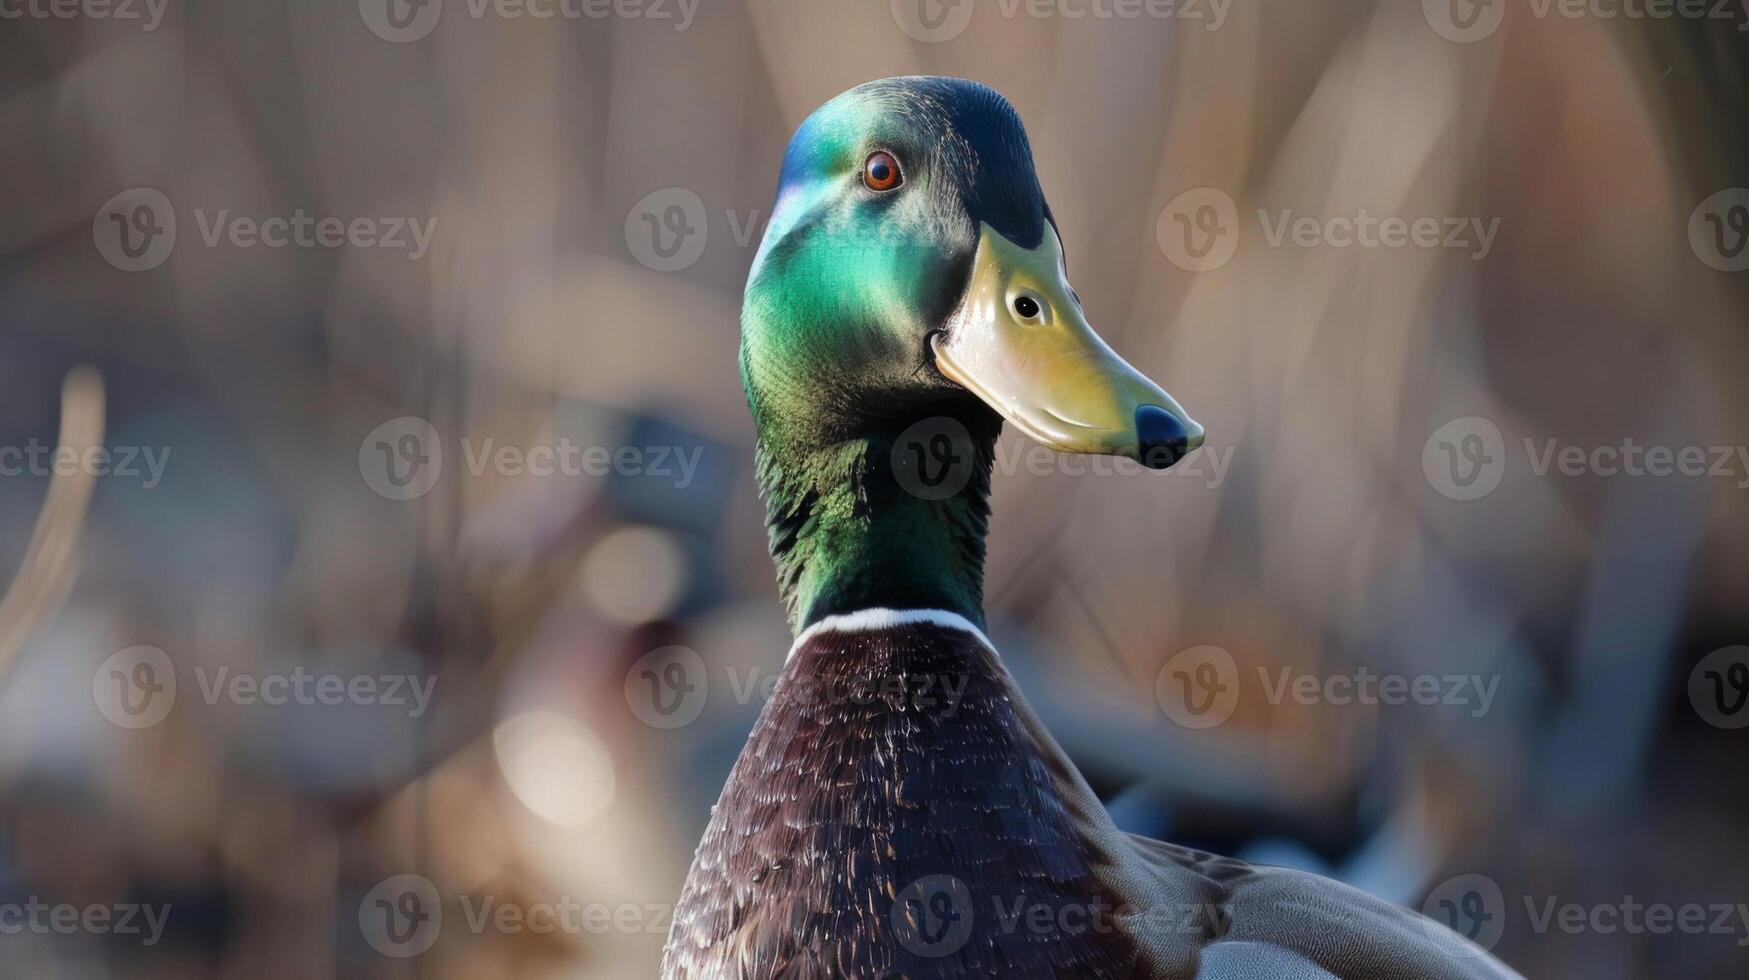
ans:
(1026, 307)
(881, 172)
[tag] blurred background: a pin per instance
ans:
(352, 586)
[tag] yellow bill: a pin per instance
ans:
(1020, 342)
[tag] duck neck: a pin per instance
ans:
(892, 517)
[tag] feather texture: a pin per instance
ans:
(898, 811)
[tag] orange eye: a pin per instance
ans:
(881, 172)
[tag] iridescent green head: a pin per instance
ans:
(911, 271)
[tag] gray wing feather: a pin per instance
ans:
(1278, 922)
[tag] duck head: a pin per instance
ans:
(911, 257)
(912, 272)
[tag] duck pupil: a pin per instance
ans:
(1027, 307)
(879, 171)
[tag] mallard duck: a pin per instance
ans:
(899, 810)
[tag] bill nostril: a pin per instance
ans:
(1162, 438)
